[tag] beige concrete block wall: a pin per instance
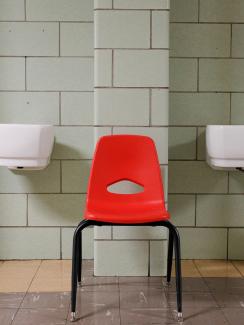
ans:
(207, 70)
(131, 97)
(46, 76)
(46, 69)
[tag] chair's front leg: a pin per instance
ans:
(176, 243)
(170, 255)
(74, 275)
(79, 258)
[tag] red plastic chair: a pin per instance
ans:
(132, 158)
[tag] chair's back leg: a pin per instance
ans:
(76, 243)
(178, 272)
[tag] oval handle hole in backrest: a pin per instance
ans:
(125, 187)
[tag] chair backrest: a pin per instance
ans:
(125, 157)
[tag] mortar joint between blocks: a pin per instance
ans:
(150, 29)
(27, 209)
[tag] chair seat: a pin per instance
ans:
(136, 217)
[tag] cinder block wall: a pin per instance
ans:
(131, 96)
(46, 76)
(207, 87)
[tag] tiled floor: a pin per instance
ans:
(37, 293)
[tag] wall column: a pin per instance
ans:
(131, 97)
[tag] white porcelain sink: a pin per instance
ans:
(225, 146)
(27, 146)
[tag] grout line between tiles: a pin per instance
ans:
(61, 177)
(195, 210)
(231, 39)
(198, 11)
(27, 290)
(137, 49)
(220, 308)
(230, 111)
(25, 73)
(197, 137)
(50, 57)
(59, 39)
(25, 10)
(131, 9)
(233, 264)
(27, 210)
(67, 320)
(227, 244)
(59, 108)
(16, 312)
(228, 182)
(150, 29)
(60, 235)
(34, 276)
(49, 21)
(150, 107)
(131, 87)
(198, 74)
(112, 80)
(195, 264)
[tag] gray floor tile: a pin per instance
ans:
(145, 316)
(225, 299)
(143, 297)
(91, 301)
(204, 316)
(193, 299)
(11, 300)
(98, 307)
(46, 300)
(87, 268)
(130, 301)
(141, 280)
(109, 316)
(231, 285)
(235, 316)
(40, 316)
(91, 283)
(189, 285)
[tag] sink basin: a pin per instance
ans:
(225, 146)
(25, 146)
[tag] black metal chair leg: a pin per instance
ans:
(74, 275)
(76, 242)
(176, 243)
(170, 256)
(178, 272)
(79, 259)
